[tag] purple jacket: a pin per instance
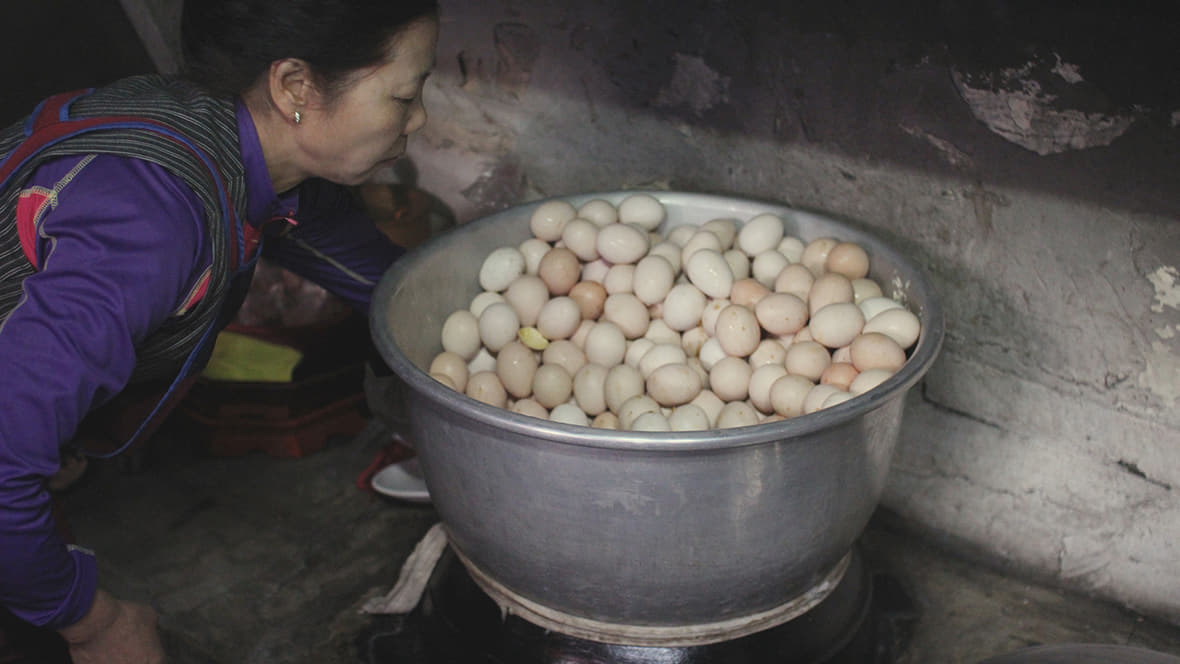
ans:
(69, 346)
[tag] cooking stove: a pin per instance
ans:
(866, 619)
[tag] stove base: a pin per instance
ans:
(867, 619)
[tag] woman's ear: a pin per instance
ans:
(290, 87)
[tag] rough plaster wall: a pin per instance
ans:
(1047, 437)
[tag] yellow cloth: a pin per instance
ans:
(240, 357)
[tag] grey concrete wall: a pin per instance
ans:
(1047, 437)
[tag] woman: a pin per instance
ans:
(129, 222)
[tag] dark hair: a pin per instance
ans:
(228, 44)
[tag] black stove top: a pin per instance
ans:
(867, 619)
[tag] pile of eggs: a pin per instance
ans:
(600, 320)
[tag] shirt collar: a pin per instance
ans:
(262, 201)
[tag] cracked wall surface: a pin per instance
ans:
(1047, 436)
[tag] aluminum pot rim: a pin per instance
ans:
(796, 429)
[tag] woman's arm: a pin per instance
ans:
(118, 246)
(335, 244)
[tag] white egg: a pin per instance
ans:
(726, 230)
(815, 254)
(566, 413)
(453, 367)
(484, 386)
(619, 279)
(559, 318)
(565, 354)
(550, 218)
(483, 361)
(500, 268)
(635, 406)
(739, 263)
(680, 235)
(659, 332)
(683, 307)
(581, 237)
(590, 388)
(688, 417)
(498, 325)
(711, 353)
(873, 306)
(787, 394)
(460, 334)
(781, 313)
(669, 251)
(737, 414)
(673, 384)
(628, 312)
(516, 365)
(710, 403)
(707, 270)
(729, 378)
(760, 382)
(533, 251)
(867, 380)
(527, 294)
(699, 240)
(636, 349)
(767, 266)
(817, 396)
(531, 408)
(659, 355)
(482, 300)
(760, 234)
(653, 422)
(552, 385)
(622, 383)
(899, 324)
(653, 278)
(622, 243)
(769, 351)
(605, 344)
(807, 359)
(796, 280)
(864, 288)
(693, 339)
(837, 324)
(791, 247)
(828, 289)
(738, 330)
(599, 212)
(643, 210)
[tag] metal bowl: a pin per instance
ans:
(636, 528)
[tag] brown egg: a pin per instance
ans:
(828, 289)
(747, 292)
(590, 296)
(560, 270)
(839, 374)
(848, 259)
(875, 350)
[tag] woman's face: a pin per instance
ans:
(364, 129)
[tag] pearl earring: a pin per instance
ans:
(298, 117)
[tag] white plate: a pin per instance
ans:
(403, 481)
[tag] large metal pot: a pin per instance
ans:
(649, 529)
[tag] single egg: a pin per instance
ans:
(828, 289)
(653, 279)
(622, 243)
(605, 344)
(567, 413)
(769, 351)
(533, 250)
(590, 296)
(655, 422)
(899, 324)
(550, 218)
(688, 417)
(673, 384)
(836, 324)
(460, 334)
(867, 380)
(599, 211)
(729, 378)
(669, 251)
(581, 237)
(531, 408)
(559, 318)
(482, 300)
(516, 365)
(839, 374)
(485, 387)
(767, 266)
(619, 279)
(552, 385)
(527, 294)
(807, 359)
(760, 234)
(453, 367)
(781, 313)
(622, 383)
(815, 254)
(590, 388)
(500, 268)
(738, 330)
(788, 393)
(848, 259)
(726, 229)
(560, 270)
(607, 420)
(643, 210)
(874, 350)
(628, 312)
(796, 280)
(747, 292)
(737, 414)
(683, 307)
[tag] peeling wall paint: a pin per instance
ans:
(1166, 280)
